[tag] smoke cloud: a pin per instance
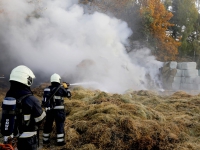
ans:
(58, 37)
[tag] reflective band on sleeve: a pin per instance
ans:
(27, 134)
(9, 102)
(27, 117)
(59, 107)
(40, 117)
(60, 135)
(60, 140)
(47, 89)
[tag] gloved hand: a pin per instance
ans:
(65, 85)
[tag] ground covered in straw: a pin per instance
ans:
(136, 120)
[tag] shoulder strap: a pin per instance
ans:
(21, 98)
(52, 95)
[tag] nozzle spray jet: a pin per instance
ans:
(81, 83)
(91, 84)
(84, 83)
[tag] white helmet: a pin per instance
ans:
(23, 75)
(55, 78)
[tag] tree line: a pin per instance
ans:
(170, 28)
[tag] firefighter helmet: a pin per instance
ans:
(55, 78)
(23, 75)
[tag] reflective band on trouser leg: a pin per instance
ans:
(58, 97)
(46, 136)
(60, 137)
(59, 107)
(27, 134)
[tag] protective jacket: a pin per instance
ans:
(59, 92)
(27, 121)
(57, 114)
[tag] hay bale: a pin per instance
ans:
(173, 64)
(179, 73)
(188, 80)
(186, 65)
(176, 80)
(190, 73)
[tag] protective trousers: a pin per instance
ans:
(29, 143)
(59, 116)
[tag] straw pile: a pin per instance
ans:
(140, 120)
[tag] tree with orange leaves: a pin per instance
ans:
(156, 23)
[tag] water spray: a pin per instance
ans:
(92, 84)
(83, 83)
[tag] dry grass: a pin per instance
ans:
(141, 120)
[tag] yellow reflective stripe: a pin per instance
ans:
(40, 117)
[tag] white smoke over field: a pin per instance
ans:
(58, 37)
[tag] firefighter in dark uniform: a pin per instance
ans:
(56, 110)
(32, 115)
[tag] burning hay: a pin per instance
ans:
(141, 120)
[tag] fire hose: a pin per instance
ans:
(10, 145)
(6, 147)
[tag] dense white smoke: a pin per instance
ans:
(58, 37)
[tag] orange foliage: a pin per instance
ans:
(157, 27)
